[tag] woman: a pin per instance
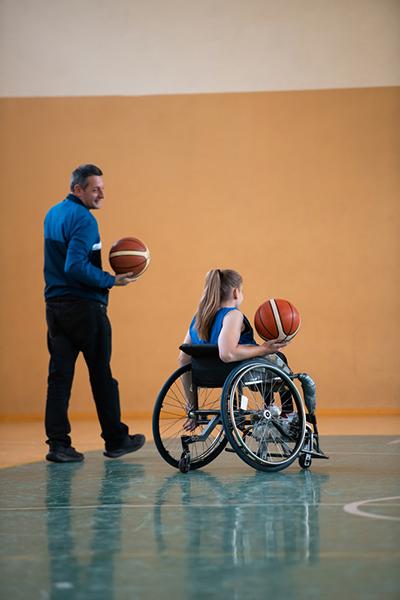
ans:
(219, 321)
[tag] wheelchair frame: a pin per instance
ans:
(253, 400)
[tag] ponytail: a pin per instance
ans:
(217, 288)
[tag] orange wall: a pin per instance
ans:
(297, 190)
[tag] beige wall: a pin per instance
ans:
(297, 190)
(143, 47)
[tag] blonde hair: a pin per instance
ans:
(217, 288)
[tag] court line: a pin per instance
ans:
(395, 441)
(189, 505)
(363, 453)
(91, 506)
(353, 508)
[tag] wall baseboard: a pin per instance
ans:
(322, 412)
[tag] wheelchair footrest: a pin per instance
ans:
(319, 454)
(314, 453)
(230, 450)
(311, 448)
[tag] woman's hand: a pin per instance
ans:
(190, 424)
(273, 346)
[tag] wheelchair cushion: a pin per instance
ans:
(208, 370)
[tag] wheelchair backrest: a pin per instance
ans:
(208, 370)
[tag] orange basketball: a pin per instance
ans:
(129, 255)
(277, 319)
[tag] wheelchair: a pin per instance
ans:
(254, 405)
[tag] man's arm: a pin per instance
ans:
(77, 264)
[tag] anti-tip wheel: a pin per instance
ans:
(305, 461)
(184, 464)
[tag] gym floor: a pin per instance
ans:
(136, 528)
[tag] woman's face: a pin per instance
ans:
(238, 295)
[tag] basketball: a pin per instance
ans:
(277, 319)
(129, 255)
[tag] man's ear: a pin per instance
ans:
(77, 190)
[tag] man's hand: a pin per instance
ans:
(124, 278)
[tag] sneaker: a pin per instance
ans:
(289, 421)
(130, 444)
(264, 431)
(63, 454)
(291, 417)
(262, 451)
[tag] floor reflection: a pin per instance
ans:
(271, 519)
(83, 543)
(195, 530)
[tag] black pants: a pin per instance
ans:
(77, 325)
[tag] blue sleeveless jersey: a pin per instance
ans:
(246, 337)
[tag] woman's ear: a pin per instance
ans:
(235, 293)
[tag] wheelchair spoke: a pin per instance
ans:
(172, 426)
(170, 415)
(178, 395)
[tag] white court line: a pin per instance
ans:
(353, 508)
(189, 505)
(365, 453)
(395, 441)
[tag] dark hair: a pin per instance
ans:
(81, 174)
(217, 288)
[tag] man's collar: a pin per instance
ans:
(75, 199)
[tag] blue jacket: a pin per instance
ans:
(72, 253)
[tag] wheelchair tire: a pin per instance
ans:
(256, 400)
(170, 415)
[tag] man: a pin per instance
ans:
(76, 296)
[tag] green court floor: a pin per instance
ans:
(137, 529)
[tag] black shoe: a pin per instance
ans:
(62, 454)
(130, 444)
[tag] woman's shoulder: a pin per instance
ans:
(227, 309)
(232, 313)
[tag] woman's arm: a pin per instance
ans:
(228, 342)
(183, 358)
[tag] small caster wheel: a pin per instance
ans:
(305, 461)
(184, 463)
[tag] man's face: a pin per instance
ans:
(93, 194)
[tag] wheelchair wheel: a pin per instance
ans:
(263, 415)
(170, 415)
(305, 461)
